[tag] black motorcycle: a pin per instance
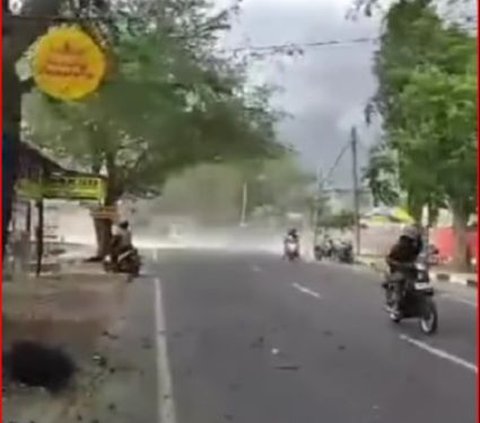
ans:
(416, 299)
(128, 261)
(344, 253)
(325, 250)
(318, 252)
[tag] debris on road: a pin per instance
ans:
(292, 367)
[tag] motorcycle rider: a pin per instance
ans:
(400, 260)
(328, 245)
(121, 240)
(292, 236)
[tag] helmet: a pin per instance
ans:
(410, 232)
(292, 231)
(123, 224)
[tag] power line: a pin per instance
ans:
(337, 161)
(305, 45)
(298, 46)
(255, 48)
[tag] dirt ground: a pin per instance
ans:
(75, 312)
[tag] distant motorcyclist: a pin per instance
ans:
(292, 237)
(401, 259)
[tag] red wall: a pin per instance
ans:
(443, 239)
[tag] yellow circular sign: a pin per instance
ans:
(68, 64)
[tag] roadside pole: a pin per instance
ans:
(316, 211)
(356, 198)
(243, 215)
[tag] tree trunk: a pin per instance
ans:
(415, 207)
(103, 227)
(462, 253)
(103, 233)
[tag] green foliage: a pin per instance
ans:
(169, 104)
(427, 100)
(380, 175)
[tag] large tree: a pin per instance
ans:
(427, 101)
(169, 104)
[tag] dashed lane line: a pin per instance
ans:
(307, 291)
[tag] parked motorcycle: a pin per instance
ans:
(416, 300)
(128, 261)
(318, 252)
(324, 250)
(344, 253)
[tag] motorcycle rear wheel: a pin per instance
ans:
(429, 319)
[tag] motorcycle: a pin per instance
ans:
(292, 250)
(416, 300)
(128, 261)
(324, 250)
(318, 252)
(344, 253)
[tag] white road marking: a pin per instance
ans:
(166, 403)
(256, 269)
(306, 290)
(440, 353)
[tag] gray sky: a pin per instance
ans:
(326, 90)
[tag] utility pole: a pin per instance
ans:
(356, 197)
(243, 216)
(316, 209)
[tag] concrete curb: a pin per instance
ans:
(457, 278)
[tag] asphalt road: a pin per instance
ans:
(254, 339)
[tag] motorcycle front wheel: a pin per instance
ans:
(429, 317)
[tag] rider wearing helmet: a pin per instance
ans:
(293, 234)
(407, 248)
(402, 256)
(124, 234)
(292, 237)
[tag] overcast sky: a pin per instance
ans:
(326, 90)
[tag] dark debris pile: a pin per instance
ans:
(36, 365)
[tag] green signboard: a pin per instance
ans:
(67, 188)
